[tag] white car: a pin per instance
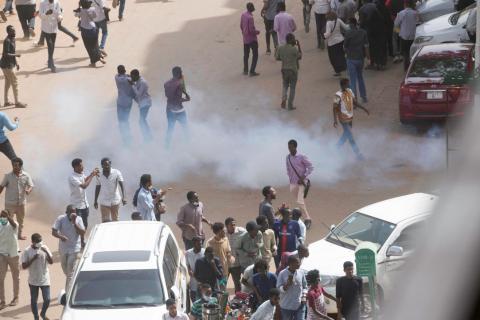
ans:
(389, 224)
(430, 9)
(444, 29)
(127, 271)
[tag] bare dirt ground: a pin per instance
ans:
(238, 131)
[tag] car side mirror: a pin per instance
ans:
(394, 251)
(62, 298)
(174, 293)
(464, 26)
(332, 227)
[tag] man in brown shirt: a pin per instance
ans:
(190, 220)
(17, 184)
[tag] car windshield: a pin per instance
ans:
(104, 289)
(358, 228)
(456, 16)
(452, 69)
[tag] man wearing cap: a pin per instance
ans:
(250, 245)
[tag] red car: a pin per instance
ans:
(437, 83)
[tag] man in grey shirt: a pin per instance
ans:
(266, 207)
(269, 11)
(124, 103)
(406, 21)
(293, 287)
(144, 101)
(346, 10)
(68, 228)
(249, 245)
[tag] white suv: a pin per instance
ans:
(127, 271)
(391, 224)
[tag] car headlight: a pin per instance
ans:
(423, 39)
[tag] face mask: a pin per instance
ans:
(38, 245)
(195, 203)
(3, 221)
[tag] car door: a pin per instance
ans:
(179, 272)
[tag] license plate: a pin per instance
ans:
(434, 95)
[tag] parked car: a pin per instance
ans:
(444, 29)
(389, 224)
(437, 84)
(430, 9)
(127, 271)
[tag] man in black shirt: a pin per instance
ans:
(8, 63)
(349, 294)
(208, 269)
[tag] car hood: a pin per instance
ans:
(327, 257)
(144, 313)
(437, 25)
(430, 5)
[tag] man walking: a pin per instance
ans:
(144, 101)
(371, 20)
(78, 183)
(298, 170)
(50, 14)
(9, 257)
(124, 103)
(292, 284)
(190, 218)
(320, 8)
(35, 259)
(109, 191)
(283, 23)
(26, 15)
(249, 40)
(233, 234)
(343, 105)
(175, 91)
(5, 146)
(356, 49)
(406, 22)
(266, 207)
(269, 11)
(68, 228)
(8, 63)
(101, 23)
(18, 185)
(349, 294)
(290, 54)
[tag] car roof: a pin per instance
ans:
(123, 245)
(398, 209)
(445, 50)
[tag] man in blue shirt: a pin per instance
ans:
(5, 146)
(287, 233)
(144, 101)
(263, 282)
(293, 287)
(145, 202)
(124, 103)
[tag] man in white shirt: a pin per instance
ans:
(101, 22)
(320, 8)
(69, 229)
(109, 191)
(192, 255)
(8, 257)
(172, 313)
(35, 259)
(266, 311)
(233, 234)
(78, 183)
(50, 12)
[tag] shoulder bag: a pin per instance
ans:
(305, 183)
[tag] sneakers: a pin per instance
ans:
(364, 100)
(3, 305)
(8, 104)
(14, 302)
(284, 104)
(21, 105)
(253, 74)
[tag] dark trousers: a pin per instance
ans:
(189, 244)
(50, 38)
(321, 22)
(390, 40)
(236, 273)
(34, 299)
(289, 79)
(378, 48)
(246, 54)
(83, 213)
(7, 149)
(405, 45)
(26, 12)
(270, 32)
(90, 41)
(60, 28)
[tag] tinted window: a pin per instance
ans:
(99, 289)
(170, 262)
(120, 256)
(452, 69)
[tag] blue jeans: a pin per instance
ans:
(347, 135)
(172, 118)
(121, 8)
(123, 115)
(355, 73)
(8, 6)
(144, 127)
(298, 314)
(103, 26)
(34, 300)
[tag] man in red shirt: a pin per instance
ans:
(249, 40)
